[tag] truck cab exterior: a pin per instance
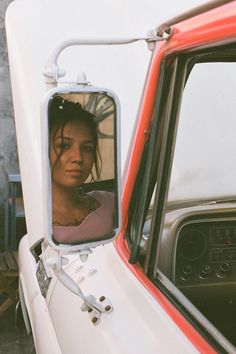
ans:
(170, 273)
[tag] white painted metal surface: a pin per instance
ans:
(44, 334)
(34, 27)
(138, 323)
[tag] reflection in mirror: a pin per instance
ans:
(82, 159)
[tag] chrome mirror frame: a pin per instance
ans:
(46, 169)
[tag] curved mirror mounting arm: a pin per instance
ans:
(81, 167)
(52, 72)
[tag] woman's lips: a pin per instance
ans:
(74, 173)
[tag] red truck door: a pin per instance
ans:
(179, 198)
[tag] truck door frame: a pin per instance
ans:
(166, 119)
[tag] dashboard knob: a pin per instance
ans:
(224, 269)
(205, 271)
(186, 272)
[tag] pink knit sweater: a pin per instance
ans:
(98, 224)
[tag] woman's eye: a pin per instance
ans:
(63, 146)
(88, 148)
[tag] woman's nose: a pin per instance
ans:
(77, 155)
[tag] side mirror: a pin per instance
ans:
(82, 167)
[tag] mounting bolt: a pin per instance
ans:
(102, 298)
(168, 30)
(95, 320)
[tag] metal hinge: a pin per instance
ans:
(161, 33)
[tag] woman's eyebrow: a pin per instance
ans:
(71, 139)
(63, 137)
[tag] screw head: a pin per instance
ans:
(94, 320)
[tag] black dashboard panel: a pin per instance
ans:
(197, 249)
(206, 251)
(197, 253)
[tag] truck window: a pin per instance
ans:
(199, 233)
(205, 151)
(192, 250)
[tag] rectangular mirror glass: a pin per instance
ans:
(83, 163)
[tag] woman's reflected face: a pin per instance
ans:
(72, 151)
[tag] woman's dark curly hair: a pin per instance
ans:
(61, 112)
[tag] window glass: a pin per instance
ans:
(205, 152)
(197, 243)
(197, 246)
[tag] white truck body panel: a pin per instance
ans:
(137, 324)
(40, 322)
(34, 28)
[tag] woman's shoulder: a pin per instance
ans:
(102, 196)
